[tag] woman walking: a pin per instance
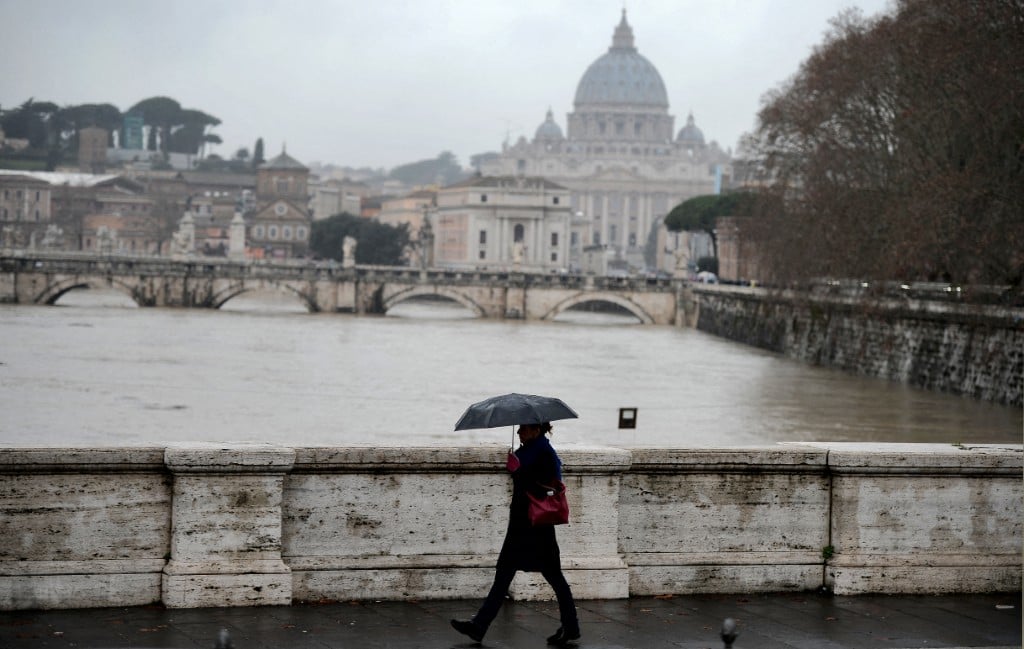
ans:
(527, 547)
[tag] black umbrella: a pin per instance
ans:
(514, 409)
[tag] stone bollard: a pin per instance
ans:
(226, 526)
(224, 640)
(729, 632)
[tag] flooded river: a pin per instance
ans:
(94, 370)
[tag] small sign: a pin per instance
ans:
(627, 417)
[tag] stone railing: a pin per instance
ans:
(212, 525)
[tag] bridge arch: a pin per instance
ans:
(235, 289)
(635, 309)
(55, 291)
(439, 291)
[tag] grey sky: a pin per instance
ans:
(386, 82)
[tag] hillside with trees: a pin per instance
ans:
(52, 131)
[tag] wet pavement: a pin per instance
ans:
(777, 621)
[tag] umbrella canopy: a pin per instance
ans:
(513, 409)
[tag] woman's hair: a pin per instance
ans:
(545, 427)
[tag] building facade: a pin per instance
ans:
(502, 222)
(623, 163)
(280, 226)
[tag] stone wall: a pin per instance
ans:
(212, 525)
(941, 345)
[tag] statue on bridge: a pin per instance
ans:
(348, 252)
(106, 239)
(183, 241)
(518, 254)
(236, 237)
(53, 237)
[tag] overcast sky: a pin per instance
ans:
(384, 82)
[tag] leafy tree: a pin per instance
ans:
(192, 134)
(709, 264)
(378, 243)
(37, 122)
(161, 115)
(896, 152)
(73, 119)
(698, 214)
(180, 130)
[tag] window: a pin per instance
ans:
(483, 236)
(286, 232)
(632, 238)
(613, 234)
(300, 233)
(554, 256)
(37, 196)
(554, 200)
(257, 232)
(37, 214)
(554, 239)
(518, 232)
(483, 254)
(272, 232)
(483, 198)
(574, 239)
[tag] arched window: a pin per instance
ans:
(518, 232)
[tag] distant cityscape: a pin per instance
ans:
(589, 198)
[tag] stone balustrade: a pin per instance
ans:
(231, 525)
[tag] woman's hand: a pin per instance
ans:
(512, 462)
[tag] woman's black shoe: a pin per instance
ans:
(562, 637)
(470, 628)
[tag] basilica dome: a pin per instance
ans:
(549, 129)
(622, 76)
(690, 135)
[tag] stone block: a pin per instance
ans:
(82, 528)
(925, 518)
(724, 520)
(420, 522)
(226, 536)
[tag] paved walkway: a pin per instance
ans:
(780, 621)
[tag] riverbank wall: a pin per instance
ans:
(233, 525)
(925, 338)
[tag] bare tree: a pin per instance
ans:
(897, 149)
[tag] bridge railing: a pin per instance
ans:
(81, 262)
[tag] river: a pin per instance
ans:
(95, 371)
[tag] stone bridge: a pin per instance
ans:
(210, 283)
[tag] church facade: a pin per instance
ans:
(281, 225)
(623, 163)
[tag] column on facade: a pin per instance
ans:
(605, 217)
(538, 239)
(643, 218)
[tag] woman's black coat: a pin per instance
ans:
(527, 547)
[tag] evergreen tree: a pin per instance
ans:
(257, 153)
